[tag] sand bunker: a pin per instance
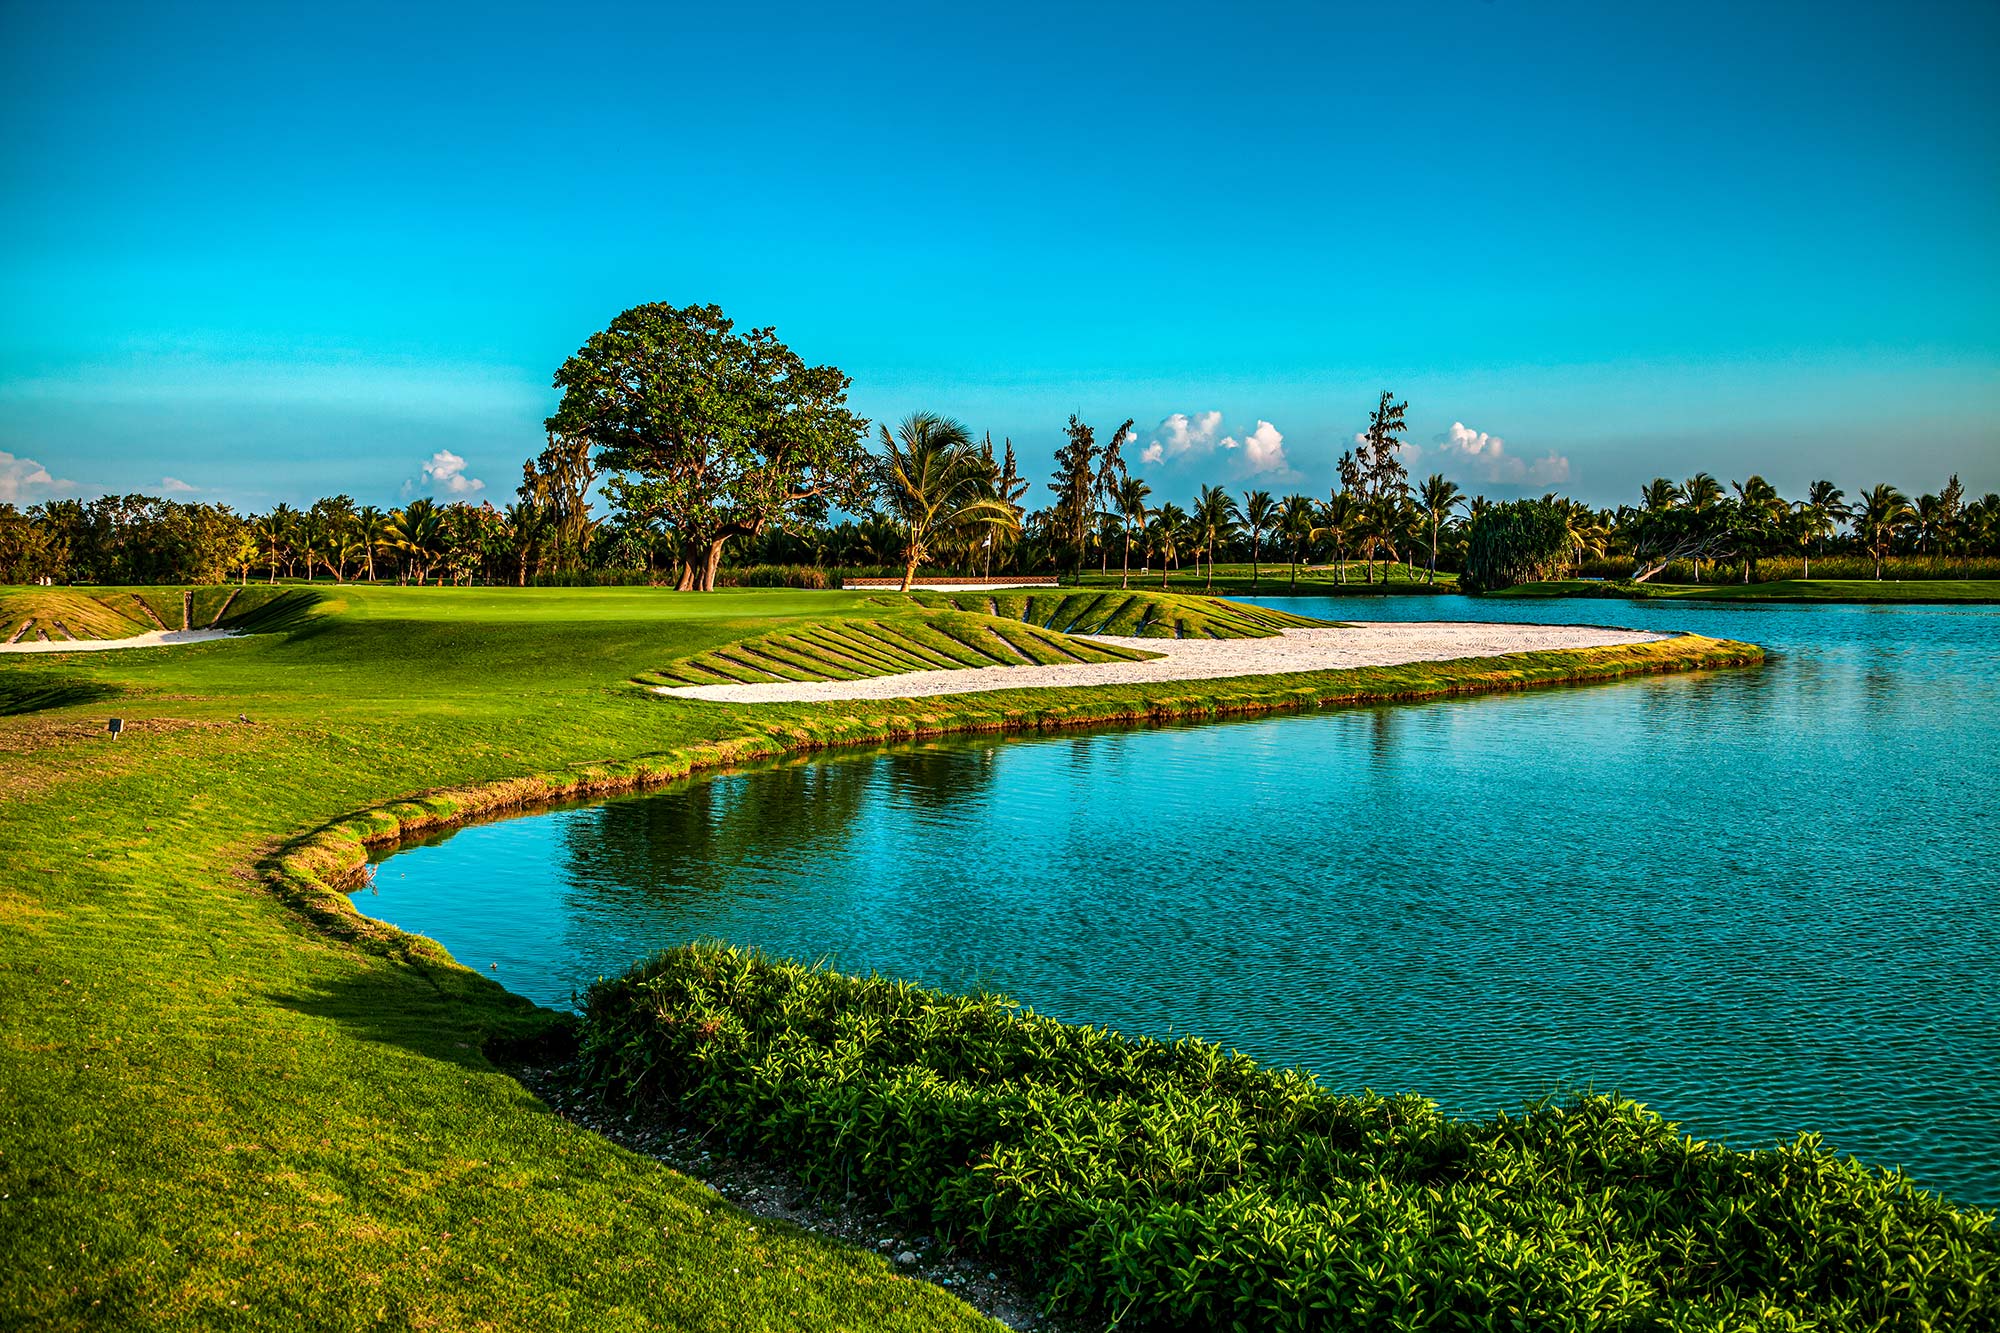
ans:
(1377, 643)
(156, 639)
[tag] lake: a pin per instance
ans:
(1762, 901)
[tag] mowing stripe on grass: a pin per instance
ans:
(863, 649)
(868, 656)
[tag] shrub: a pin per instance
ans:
(1178, 1186)
(1523, 541)
(773, 576)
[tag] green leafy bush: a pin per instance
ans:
(1523, 541)
(1178, 1186)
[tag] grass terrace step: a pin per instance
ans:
(940, 640)
(1132, 613)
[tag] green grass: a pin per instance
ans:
(1785, 590)
(228, 1101)
(1183, 1187)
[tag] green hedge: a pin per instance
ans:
(1179, 1186)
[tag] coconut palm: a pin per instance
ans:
(1295, 525)
(1758, 512)
(372, 526)
(1881, 515)
(1818, 515)
(931, 479)
(1166, 533)
(1260, 512)
(1339, 522)
(1436, 498)
(1374, 529)
(1131, 499)
(527, 527)
(272, 531)
(1216, 520)
(1659, 495)
(1701, 495)
(417, 531)
(1701, 492)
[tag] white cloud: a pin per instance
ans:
(1182, 437)
(446, 472)
(1179, 434)
(174, 485)
(1476, 453)
(19, 476)
(1263, 451)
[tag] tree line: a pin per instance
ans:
(717, 447)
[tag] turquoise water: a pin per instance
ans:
(1761, 901)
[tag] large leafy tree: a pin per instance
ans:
(732, 433)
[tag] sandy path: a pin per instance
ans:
(1376, 643)
(155, 639)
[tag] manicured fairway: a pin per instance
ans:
(217, 1109)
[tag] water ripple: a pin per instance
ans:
(1763, 902)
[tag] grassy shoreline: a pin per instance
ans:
(217, 1109)
(1858, 592)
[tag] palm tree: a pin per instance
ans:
(1659, 495)
(1216, 520)
(309, 540)
(1295, 524)
(526, 525)
(1882, 513)
(1372, 527)
(1819, 514)
(1758, 509)
(1701, 494)
(1131, 499)
(1436, 498)
(371, 525)
(1339, 520)
(1111, 478)
(931, 477)
(1169, 522)
(417, 531)
(273, 529)
(1260, 511)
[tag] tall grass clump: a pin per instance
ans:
(1178, 1186)
(773, 576)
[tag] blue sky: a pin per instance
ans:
(269, 253)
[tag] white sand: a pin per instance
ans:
(155, 639)
(1376, 643)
